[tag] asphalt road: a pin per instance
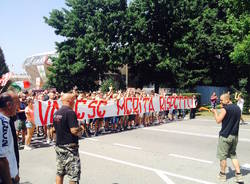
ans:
(181, 152)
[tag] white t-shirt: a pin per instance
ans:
(7, 145)
(240, 103)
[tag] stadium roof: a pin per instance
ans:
(40, 59)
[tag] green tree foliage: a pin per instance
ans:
(241, 52)
(4, 68)
(150, 37)
(177, 43)
(92, 32)
(239, 21)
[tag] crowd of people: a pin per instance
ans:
(26, 126)
(18, 125)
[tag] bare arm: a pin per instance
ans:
(75, 130)
(219, 117)
(5, 171)
(19, 110)
(236, 96)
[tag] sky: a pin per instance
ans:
(23, 31)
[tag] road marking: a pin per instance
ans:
(199, 119)
(241, 128)
(190, 158)
(192, 134)
(164, 177)
(246, 166)
(182, 132)
(127, 146)
(92, 139)
(145, 167)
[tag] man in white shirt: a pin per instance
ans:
(240, 103)
(8, 163)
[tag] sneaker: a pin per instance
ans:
(48, 141)
(222, 177)
(239, 178)
(26, 147)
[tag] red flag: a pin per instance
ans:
(26, 84)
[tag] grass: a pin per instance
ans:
(209, 115)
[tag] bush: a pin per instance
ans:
(107, 83)
(198, 96)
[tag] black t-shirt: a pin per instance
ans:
(21, 115)
(231, 121)
(64, 119)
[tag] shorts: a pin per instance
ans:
(227, 147)
(28, 124)
(68, 163)
(20, 125)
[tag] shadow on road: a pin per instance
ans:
(231, 173)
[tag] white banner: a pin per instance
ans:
(90, 109)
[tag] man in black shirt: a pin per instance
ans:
(21, 118)
(228, 139)
(67, 132)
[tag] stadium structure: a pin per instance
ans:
(36, 67)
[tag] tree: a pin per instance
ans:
(177, 43)
(4, 68)
(92, 32)
(204, 51)
(152, 31)
(241, 53)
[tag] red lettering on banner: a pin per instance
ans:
(55, 106)
(185, 99)
(162, 102)
(43, 121)
(180, 100)
(174, 104)
(79, 115)
(128, 111)
(120, 107)
(135, 108)
(99, 113)
(151, 105)
(93, 107)
(169, 102)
